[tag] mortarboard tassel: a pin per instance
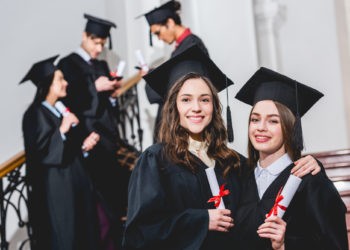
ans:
(110, 41)
(297, 130)
(230, 135)
(150, 39)
(298, 134)
(229, 128)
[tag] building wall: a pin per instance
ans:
(310, 52)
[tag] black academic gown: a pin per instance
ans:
(315, 217)
(189, 41)
(168, 206)
(154, 97)
(95, 113)
(61, 206)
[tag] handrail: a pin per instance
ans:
(127, 84)
(133, 80)
(12, 163)
(332, 153)
(14, 200)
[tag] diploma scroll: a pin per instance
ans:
(121, 67)
(285, 196)
(141, 60)
(63, 110)
(214, 186)
(119, 72)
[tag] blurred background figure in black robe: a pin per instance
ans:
(315, 218)
(91, 95)
(62, 211)
(165, 23)
(168, 204)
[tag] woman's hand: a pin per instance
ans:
(220, 220)
(67, 122)
(90, 141)
(273, 228)
(305, 165)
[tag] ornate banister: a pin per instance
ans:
(128, 117)
(13, 197)
(12, 163)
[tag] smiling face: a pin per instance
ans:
(58, 87)
(265, 130)
(195, 106)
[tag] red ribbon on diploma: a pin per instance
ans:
(217, 198)
(275, 207)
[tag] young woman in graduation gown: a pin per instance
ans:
(315, 218)
(168, 204)
(61, 205)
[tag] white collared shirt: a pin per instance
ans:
(265, 176)
(83, 54)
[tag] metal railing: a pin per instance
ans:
(13, 194)
(129, 113)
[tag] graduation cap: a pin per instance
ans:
(40, 70)
(267, 84)
(99, 27)
(192, 60)
(160, 14)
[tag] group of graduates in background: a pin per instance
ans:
(78, 188)
(82, 197)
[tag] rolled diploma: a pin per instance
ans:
(288, 192)
(120, 68)
(214, 185)
(141, 60)
(62, 108)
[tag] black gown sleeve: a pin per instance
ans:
(152, 96)
(152, 222)
(42, 138)
(327, 211)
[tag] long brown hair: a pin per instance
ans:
(174, 137)
(287, 119)
(43, 88)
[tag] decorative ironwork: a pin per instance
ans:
(13, 193)
(129, 118)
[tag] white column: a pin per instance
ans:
(268, 16)
(343, 32)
